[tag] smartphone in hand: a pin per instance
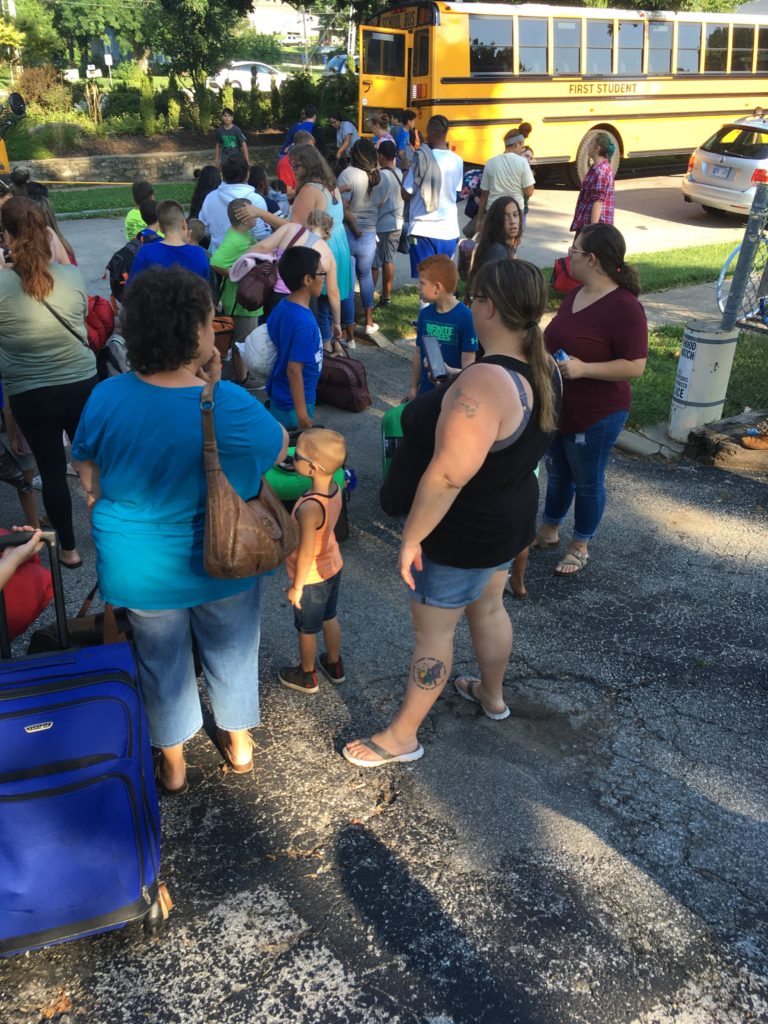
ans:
(435, 361)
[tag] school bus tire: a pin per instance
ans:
(578, 169)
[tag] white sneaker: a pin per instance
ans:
(37, 483)
(371, 328)
(351, 343)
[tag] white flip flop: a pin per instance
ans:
(384, 756)
(469, 694)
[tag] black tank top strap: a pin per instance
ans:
(505, 442)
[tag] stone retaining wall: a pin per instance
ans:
(133, 167)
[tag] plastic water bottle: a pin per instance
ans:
(561, 356)
(752, 432)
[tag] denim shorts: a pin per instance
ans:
(227, 633)
(442, 586)
(318, 605)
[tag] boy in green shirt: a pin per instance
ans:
(235, 243)
(134, 223)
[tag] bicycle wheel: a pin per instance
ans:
(757, 282)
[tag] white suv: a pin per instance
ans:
(238, 73)
(724, 172)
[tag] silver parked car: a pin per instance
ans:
(239, 72)
(723, 172)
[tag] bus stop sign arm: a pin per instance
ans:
(755, 224)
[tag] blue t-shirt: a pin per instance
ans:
(148, 524)
(296, 336)
(455, 332)
(302, 126)
(160, 254)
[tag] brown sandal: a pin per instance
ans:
(238, 769)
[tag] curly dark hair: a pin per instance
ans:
(162, 312)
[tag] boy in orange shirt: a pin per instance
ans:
(315, 567)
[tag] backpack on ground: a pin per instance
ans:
(112, 359)
(343, 383)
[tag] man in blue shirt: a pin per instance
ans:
(292, 385)
(308, 123)
(172, 250)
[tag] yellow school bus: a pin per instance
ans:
(657, 82)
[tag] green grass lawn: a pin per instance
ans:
(652, 393)
(114, 199)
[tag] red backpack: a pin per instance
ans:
(99, 321)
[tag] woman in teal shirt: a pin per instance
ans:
(139, 450)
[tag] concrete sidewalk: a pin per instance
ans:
(598, 858)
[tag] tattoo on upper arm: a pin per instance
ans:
(428, 673)
(466, 403)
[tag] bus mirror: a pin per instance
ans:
(17, 105)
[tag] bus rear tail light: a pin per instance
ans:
(760, 176)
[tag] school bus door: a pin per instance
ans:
(383, 72)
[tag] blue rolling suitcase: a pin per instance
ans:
(79, 819)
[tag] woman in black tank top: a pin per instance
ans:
(464, 477)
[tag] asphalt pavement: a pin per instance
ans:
(597, 858)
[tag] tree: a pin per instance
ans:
(10, 36)
(42, 43)
(198, 37)
(80, 21)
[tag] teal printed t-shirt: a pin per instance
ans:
(455, 332)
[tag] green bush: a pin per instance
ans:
(260, 109)
(123, 124)
(227, 96)
(122, 99)
(297, 90)
(173, 111)
(130, 73)
(337, 93)
(253, 45)
(147, 106)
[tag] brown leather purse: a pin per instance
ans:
(242, 538)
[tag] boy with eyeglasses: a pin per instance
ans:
(314, 569)
(292, 326)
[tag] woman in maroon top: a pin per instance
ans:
(602, 328)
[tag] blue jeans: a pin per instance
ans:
(576, 465)
(227, 634)
(363, 249)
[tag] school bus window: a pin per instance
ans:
(717, 48)
(384, 54)
(630, 47)
(743, 45)
(490, 45)
(533, 46)
(599, 47)
(762, 49)
(567, 38)
(659, 47)
(421, 53)
(688, 49)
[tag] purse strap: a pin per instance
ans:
(210, 448)
(61, 320)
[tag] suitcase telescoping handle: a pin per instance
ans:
(51, 540)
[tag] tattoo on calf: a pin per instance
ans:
(466, 403)
(428, 673)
